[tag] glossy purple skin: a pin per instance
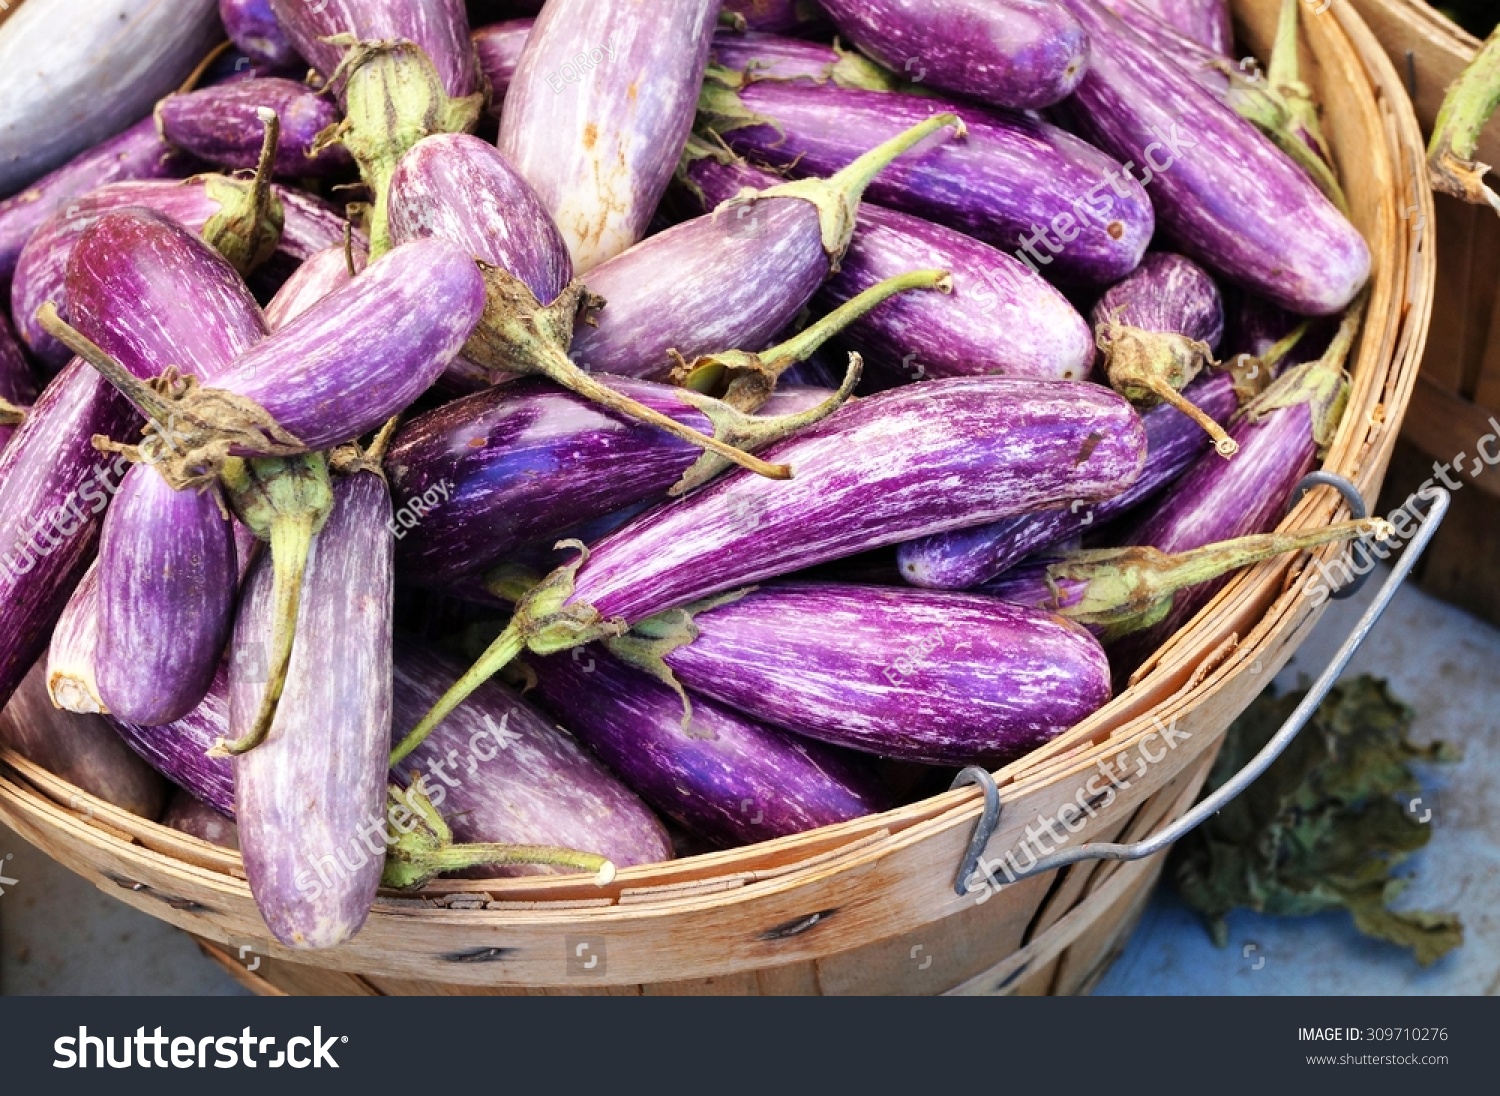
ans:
(17, 383)
(965, 558)
(440, 27)
(315, 790)
(219, 125)
(1022, 54)
(311, 226)
(905, 463)
(188, 814)
(252, 27)
(456, 187)
(946, 679)
(776, 16)
(498, 771)
(81, 749)
(1167, 293)
(1028, 584)
(1227, 197)
(167, 571)
(1206, 22)
(600, 140)
(498, 48)
(179, 751)
(137, 153)
(737, 278)
(1001, 318)
(310, 283)
(728, 779)
(1019, 184)
(771, 57)
(1203, 63)
(368, 349)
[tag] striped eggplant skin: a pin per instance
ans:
(367, 350)
(136, 153)
(1203, 63)
(167, 570)
(220, 125)
(81, 749)
(600, 109)
(180, 750)
(1222, 191)
(440, 27)
(188, 814)
(311, 282)
(314, 791)
(940, 678)
(1022, 54)
(777, 16)
(61, 93)
(1205, 22)
(252, 27)
(727, 778)
(1019, 184)
(41, 270)
(498, 48)
(71, 681)
(1001, 318)
(739, 276)
(1167, 293)
(498, 771)
(771, 57)
(17, 382)
(904, 463)
(962, 559)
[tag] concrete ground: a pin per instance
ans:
(58, 935)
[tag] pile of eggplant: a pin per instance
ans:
(518, 438)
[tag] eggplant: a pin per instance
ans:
(599, 111)
(965, 558)
(1000, 318)
(1222, 191)
(180, 751)
(76, 72)
(727, 778)
(498, 48)
(310, 226)
(775, 16)
(17, 384)
(1205, 22)
(769, 57)
(81, 749)
(940, 678)
(312, 281)
(221, 125)
(252, 27)
(501, 773)
(1022, 54)
(1019, 184)
(136, 153)
(1157, 329)
(898, 465)
(72, 682)
(740, 274)
(190, 815)
(317, 783)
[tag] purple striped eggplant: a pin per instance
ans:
(776, 16)
(221, 125)
(190, 815)
(1205, 22)
(317, 783)
(965, 558)
(1019, 184)
(498, 48)
(740, 274)
(1000, 318)
(483, 476)
(252, 27)
(726, 778)
(1023, 54)
(81, 749)
(312, 281)
(599, 110)
(71, 680)
(1157, 330)
(17, 383)
(502, 774)
(1222, 190)
(310, 225)
(899, 465)
(181, 751)
(941, 678)
(137, 153)
(455, 187)
(768, 57)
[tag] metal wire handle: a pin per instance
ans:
(989, 819)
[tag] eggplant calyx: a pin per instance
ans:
(1322, 384)
(720, 108)
(1149, 367)
(10, 414)
(837, 197)
(752, 433)
(1253, 375)
(247, 227)
(519, 334)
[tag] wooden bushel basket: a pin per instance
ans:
(868, 906)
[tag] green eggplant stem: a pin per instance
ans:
(458, 857)
(507, 646)
(10, 414)
(1467, 108)
(247, 228)
(151, 403)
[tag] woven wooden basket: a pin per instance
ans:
(868, 906)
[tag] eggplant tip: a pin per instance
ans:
(606, 874)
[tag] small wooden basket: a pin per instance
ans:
(869, 906)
